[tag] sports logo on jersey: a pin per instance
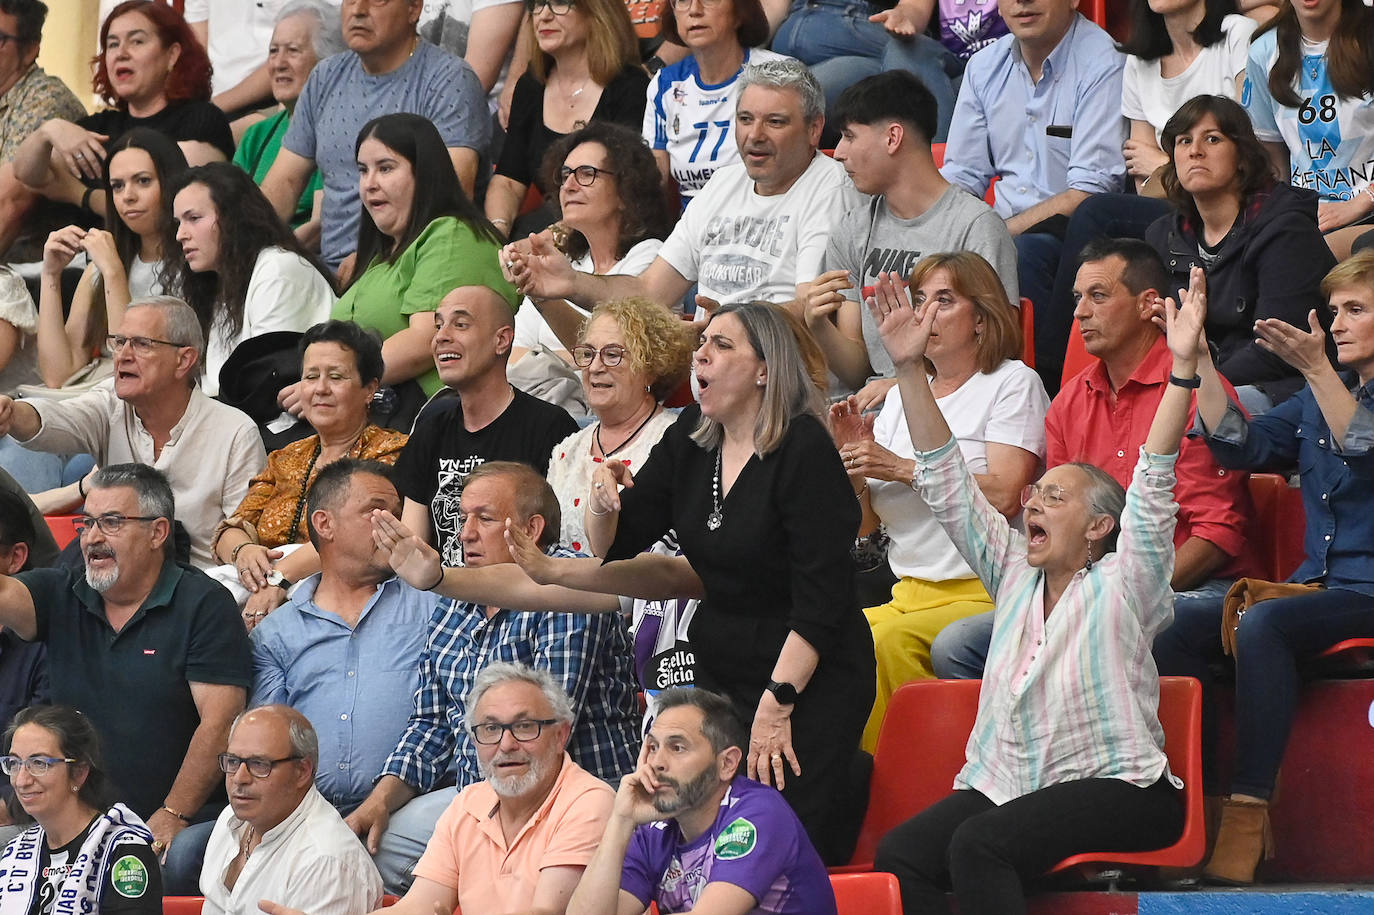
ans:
(129, 877)
(737, 840)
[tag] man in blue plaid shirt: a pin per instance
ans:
(587, 654)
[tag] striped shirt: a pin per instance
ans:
(1074, 696)
(588, 654)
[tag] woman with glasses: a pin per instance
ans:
(611, 220)
(84, 852)
(1067, 753)
(633, 353)
(585, 68)
(996, 406)
(419, 238)
(690, 119)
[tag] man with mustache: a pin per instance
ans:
(279, 837)
(689, 835)
(518, 840)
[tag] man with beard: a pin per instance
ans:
(151, 650)
(689, 835)
(519, 840)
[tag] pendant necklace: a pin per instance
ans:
(714, 520)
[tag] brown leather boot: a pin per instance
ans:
(1243, 839)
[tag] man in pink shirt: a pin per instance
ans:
(518, 840)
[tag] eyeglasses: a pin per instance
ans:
(142, 345)
(612, 354)
(1051, 494)
(683, 6)
(257, 766)
(586, 174)
(524, 730)
(109, 523)
(558, 7)
(37, 765)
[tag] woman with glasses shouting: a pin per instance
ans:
(84, 849)
(584, 68)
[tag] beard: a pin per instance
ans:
(513, 785)
(689, 795)
(101, 582)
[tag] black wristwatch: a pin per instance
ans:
(785, 693)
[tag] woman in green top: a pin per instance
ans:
(306, 32)
(419, 238)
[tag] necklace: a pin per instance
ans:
(715, 519)
(305, 481)
(638, 429)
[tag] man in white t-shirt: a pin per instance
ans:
(757, 228)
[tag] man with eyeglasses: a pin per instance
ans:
(518, 840)
(157, 415)
(279, 838)
(151, 650)
(1102, 415)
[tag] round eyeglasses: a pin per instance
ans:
(612, 354)
(1051, 494)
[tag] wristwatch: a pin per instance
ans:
(785, 693)
(277, 580)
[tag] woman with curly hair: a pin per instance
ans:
(633, 353)
(237, 264)
(151, 72)
(613, 220)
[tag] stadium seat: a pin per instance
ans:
(1096, 10)
(1027, 331)
(920, 750)
(866, 894)
(1180, 712)
(1275, 533)
(182, 905)
(389, 900)
(63, 528)
(1076, 357)
(937, 152)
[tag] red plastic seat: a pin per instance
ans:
(182, 905)
(1180, 712)
(937, 152)
(920, 750)
(63, 528)
(866, 894)
(389, 900)
(1096, 10)
(1027, 332)
(1275, 534)
(1076, 357)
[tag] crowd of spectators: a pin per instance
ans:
(516, 451)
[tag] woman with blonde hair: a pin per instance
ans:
(996, 406)
(584, 68)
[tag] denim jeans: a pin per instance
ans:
(836, 40)
(406, 836)
(185, 859)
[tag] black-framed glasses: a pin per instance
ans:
(612, 354)
(524, 730)
(1051, 494)
(586, 175)
(142, 345)
(557, 7)
(257, 766)
(109, 523)
(37, 765)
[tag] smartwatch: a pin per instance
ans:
(785, 693)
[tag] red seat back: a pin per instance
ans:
(1276, 529)
(63, 528)
(1076, 357)
(182, 905)
(866, 894)
(1027, 332)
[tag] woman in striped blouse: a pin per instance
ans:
(1067, 753)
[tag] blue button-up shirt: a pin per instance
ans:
(1062, 133)
(1337, 479)
(588, 654)
(356, 685)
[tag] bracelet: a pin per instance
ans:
(86, 198)
(862, 490)
(81, 487)
(234, 553)
(179, 816)
(1191, 383)
(595, 512)
(439, 582)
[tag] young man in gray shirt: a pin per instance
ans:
(885, 126)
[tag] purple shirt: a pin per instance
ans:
(757, 843)
(967, 26)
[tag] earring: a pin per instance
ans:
(760, 383)
(647, 389)
(76, 788)
(1088, 566)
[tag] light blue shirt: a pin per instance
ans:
(1064, 132)
(357, 686)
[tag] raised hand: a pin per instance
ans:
(61, 247)
(848, 422)
(1304, 350)
(416, 563)
(533, 561)
(634, 801)
(606, 482)
(870, 460)
(905, 331)
(538, 270)
(1184, 323)
(81, 150)
(100, 247)
(872, 395)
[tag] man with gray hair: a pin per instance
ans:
(150, 650)
(300, 851)
(155, 415)
(519, 840)
(758, 228)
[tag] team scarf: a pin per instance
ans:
(80, 891)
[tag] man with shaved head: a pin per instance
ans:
(279, 838)
(492, 421)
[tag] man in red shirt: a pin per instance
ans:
(1101, 417)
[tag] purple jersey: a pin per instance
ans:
(757, 843)
(967, 26)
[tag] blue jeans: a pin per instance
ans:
(1037, 259)
(836, 40)
(185, 858)
(1274, 637)
(406, 836)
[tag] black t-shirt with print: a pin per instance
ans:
(132, 882)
